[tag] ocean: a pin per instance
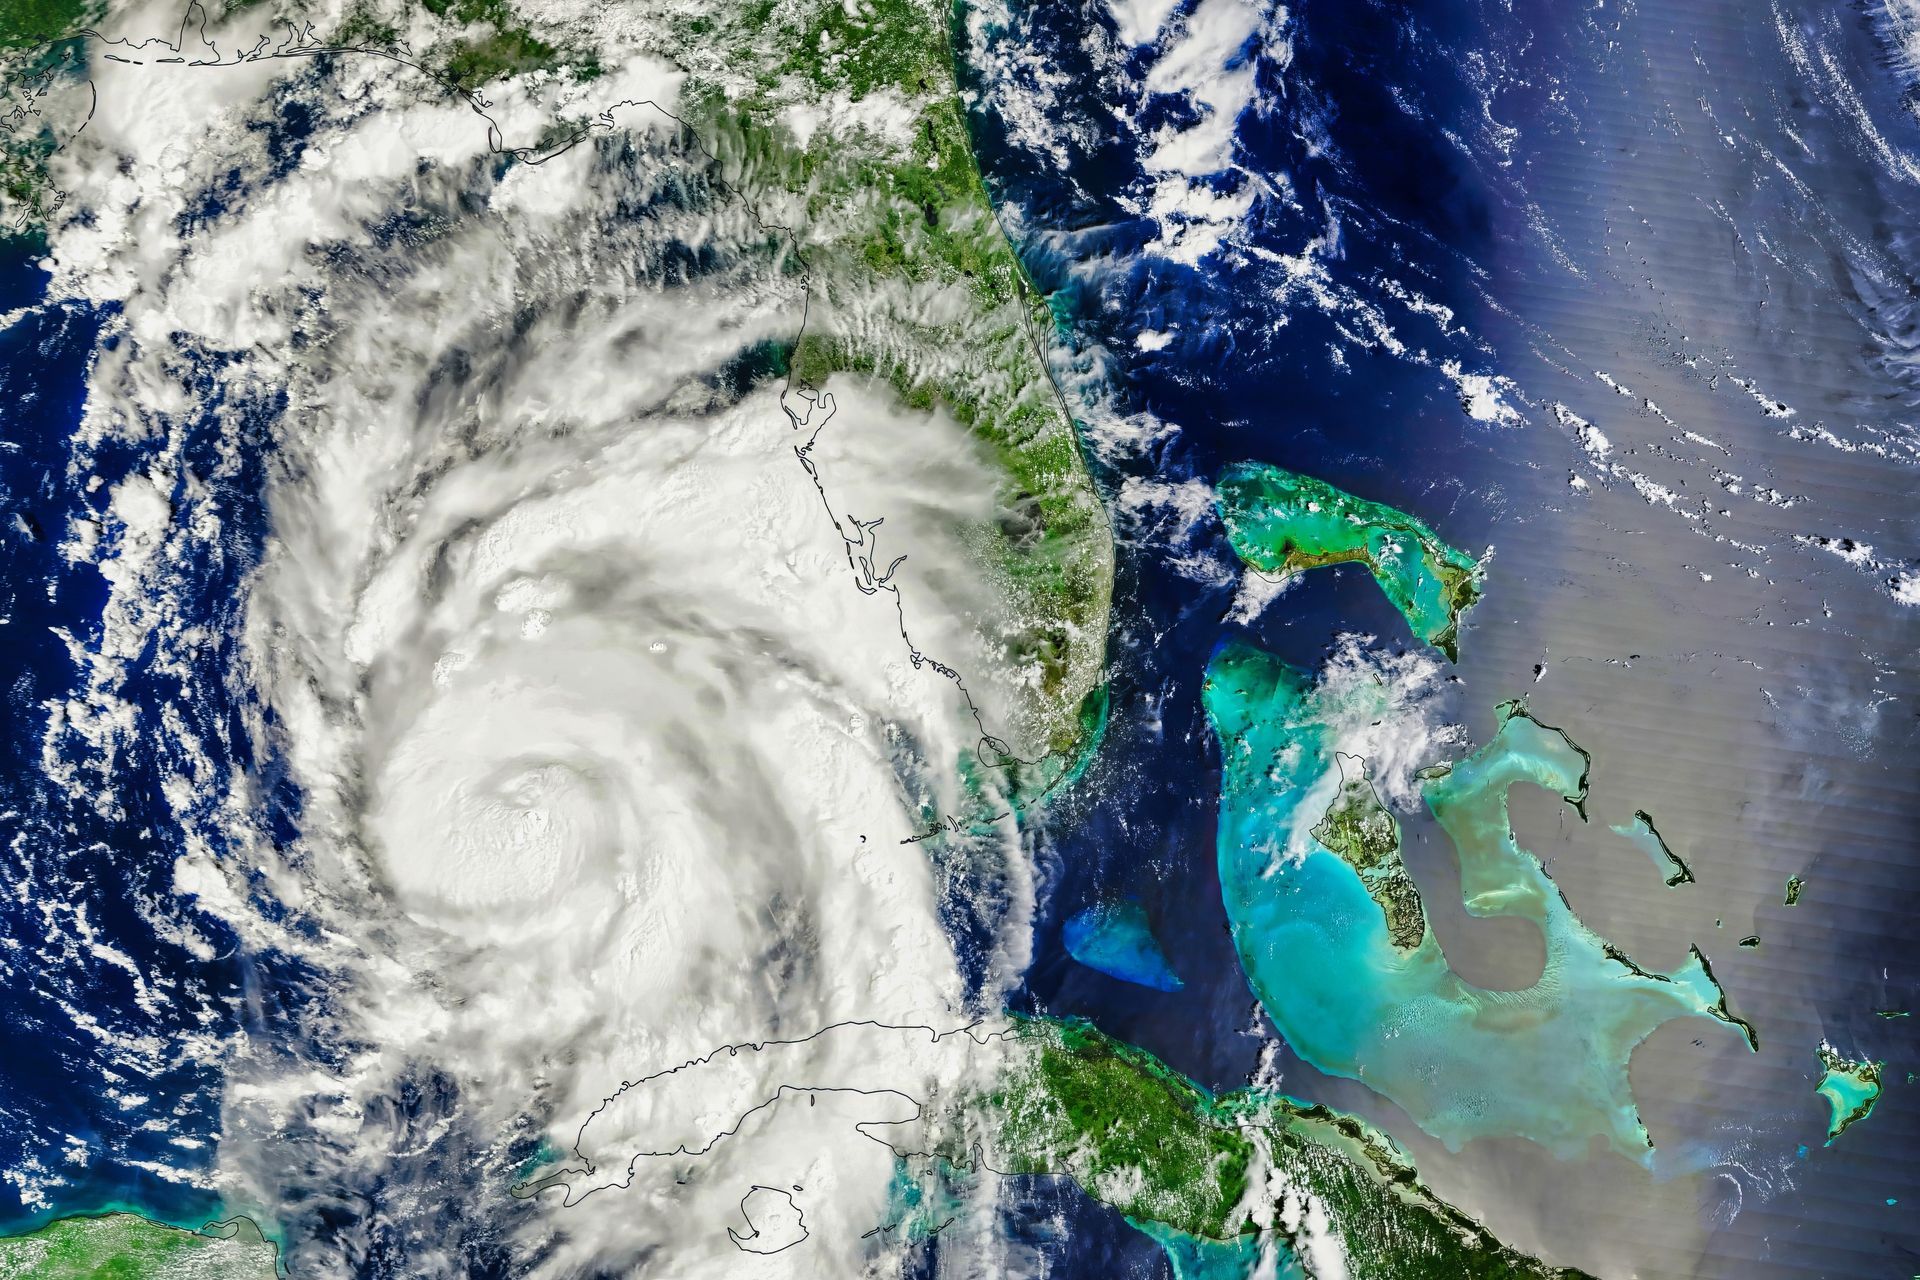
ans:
(1625, 295)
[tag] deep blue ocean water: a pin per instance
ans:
(1390, 121)
(1669, 252)
(91, 1064)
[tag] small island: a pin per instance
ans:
(1851, 1088)
(1647, 838)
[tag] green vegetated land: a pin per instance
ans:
(468, 44)
(1151, 1143)
(840, 123)
(1282, 523)
(24, 23)
(913, 282)
(1366, 836)
(123, 1246)
(500, 44)
(39, 50)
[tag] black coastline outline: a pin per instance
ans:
(1720, 1010)
(972, 1158)
(800, 1215)
(221, 1229)
(302, 42)
(586, 1168)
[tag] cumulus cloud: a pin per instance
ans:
(1208, 62)
(1385, 707)
(614, 719)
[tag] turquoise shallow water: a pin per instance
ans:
(1547, 1063)
(1117, 939)
(1640, 833)
(1851, 1096)
(1192, 1258)
(1273, 515)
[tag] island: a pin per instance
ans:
(1366, 835)
(1548, 1062)
(1851, 1087)
(1647, 838)
(1223, 1183)
(1281, 523)
(1331, 932)
(1221, 1180)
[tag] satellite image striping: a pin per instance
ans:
(1027, 638)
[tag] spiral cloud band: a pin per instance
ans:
(612, 710)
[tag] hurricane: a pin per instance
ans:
(1174, 638)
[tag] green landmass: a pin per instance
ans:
(364, 28)
(124, 1246)
(1282, 523)
(26, 23)
(844, 123)
(39, 54)
(495, 42)
(1131, 1132)
(1794, 885)
(465, 44)
(1366, 836)
(1202, 1173)
(1851, 1088)
(841, 127)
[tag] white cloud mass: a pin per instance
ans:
(607, 753)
